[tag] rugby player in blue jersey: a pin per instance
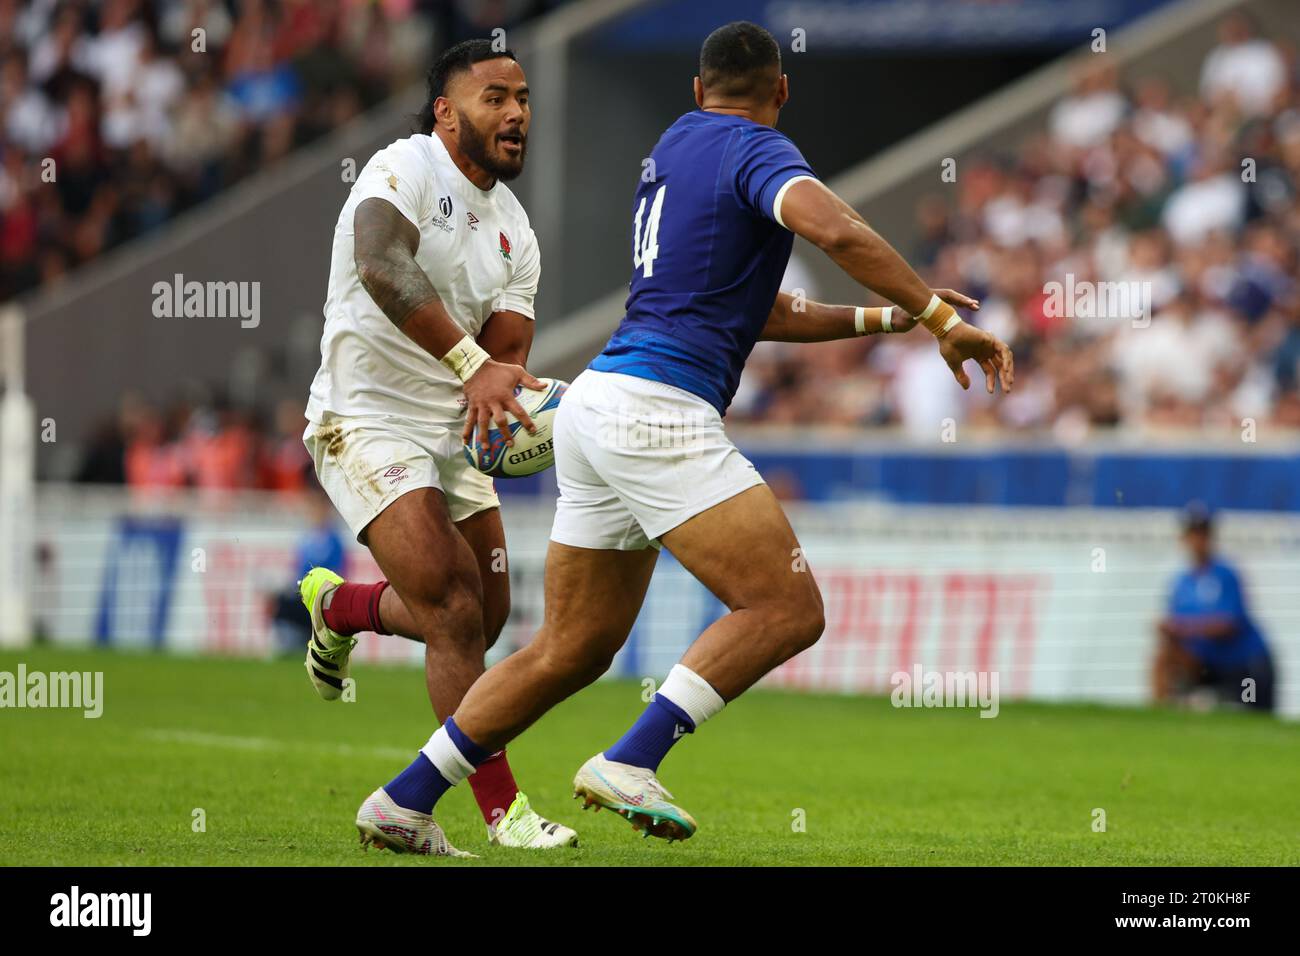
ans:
(642, 460)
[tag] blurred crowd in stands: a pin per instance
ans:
(1186, 197)
(198, 443)
(115, 115)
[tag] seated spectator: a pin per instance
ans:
(1243, 68)
(1207, 639)
(1092, 112)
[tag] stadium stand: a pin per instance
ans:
(147, 109)
(1129, 181)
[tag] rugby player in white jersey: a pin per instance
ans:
(428, 324)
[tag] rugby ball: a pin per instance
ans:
(530, 453)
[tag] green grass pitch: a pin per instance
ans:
(279, 774)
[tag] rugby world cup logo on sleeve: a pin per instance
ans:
(442, 218)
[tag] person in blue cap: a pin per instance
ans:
(1207, 638)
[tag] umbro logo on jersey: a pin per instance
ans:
(444, 206)
(472, 220)
(395, 474)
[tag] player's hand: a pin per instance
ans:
(490, 393)
(958, 300)
(965, 341)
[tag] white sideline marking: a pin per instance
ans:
(200, 739)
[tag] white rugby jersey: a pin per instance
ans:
(479, 253)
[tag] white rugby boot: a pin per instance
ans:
(635, 793)
(382, 823)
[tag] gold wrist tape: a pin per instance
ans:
(939, 317)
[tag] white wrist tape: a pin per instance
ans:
(860, 320)
(933, 304)
(465, 358)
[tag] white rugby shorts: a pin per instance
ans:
(635, 458)
(365, 464)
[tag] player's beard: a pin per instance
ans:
(475, 146)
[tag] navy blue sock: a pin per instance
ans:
(660, 726)
(419, 786)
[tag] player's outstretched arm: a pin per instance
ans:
(384, 250)
(794, 319)
(809, 209)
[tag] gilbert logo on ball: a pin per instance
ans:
(531, 453)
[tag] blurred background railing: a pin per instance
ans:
(1060, 603)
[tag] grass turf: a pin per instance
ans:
(279, 774)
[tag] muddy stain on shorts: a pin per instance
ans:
(332, 436)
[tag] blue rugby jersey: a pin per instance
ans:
(707, 252)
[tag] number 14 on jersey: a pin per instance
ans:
(645, 253)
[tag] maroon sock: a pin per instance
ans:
(354, 608)
(494, 787)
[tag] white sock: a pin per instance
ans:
(446, 758)
(692, 693)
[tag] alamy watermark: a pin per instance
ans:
(633, 429)
(180, 299)
(1084, 299)
(75, 908)
(922, 688)
(79, 690)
